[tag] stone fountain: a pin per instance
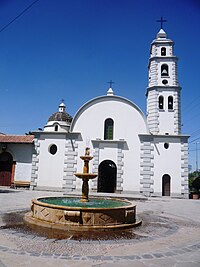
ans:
(75, 214)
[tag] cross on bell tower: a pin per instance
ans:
(161, 20)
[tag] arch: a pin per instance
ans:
(56, 128)
(6, 169)
(163, 51)
(164, 70)
(161, 102)
(107, 177)
(108, 129)
(170, 102)
(166, 185)
(102, 99)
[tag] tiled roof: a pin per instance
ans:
(16, 138)
(60, 116)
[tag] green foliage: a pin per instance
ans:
(29, 133)
(194, 182)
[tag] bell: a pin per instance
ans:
(164, 71)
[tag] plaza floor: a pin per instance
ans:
(169, 236)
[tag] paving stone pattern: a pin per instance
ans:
(169, 236)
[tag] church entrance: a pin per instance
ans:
(107, 177)
(166, 185)
(6, 167)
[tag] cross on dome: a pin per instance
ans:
(110, 82)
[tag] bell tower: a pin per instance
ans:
(163, 91)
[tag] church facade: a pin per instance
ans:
(132, 152)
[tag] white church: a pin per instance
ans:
(132, 152)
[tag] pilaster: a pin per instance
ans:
(35, 164)
(70, 163)
(184, 170)
(152, 112)
(95, 168)
(120, 169)
(147, 168)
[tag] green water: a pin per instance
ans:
(75, 202)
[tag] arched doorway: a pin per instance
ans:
(166, 185)
(107, 177)
(6, 167)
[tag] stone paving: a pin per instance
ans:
(169, 236)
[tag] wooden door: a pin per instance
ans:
(6, 164)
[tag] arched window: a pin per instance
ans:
(161, 102)
(170, 102)
(108, 129)
(163, 51)
(164, 70)
(56, 128)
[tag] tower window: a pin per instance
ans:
(170, 102)
(108, 129)
(166, 145)
(164, 82)
(161, 102)
(163, 51)
(56, 128)
(53, 149)
(164, 70)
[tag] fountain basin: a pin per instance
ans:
(66, 213)
(86, 175)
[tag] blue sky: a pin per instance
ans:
(70, 49)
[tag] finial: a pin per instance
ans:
(161, 20)
(87, 151)
(110, 90)
(62, 106)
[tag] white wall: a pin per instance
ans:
(167, 161)
(128, 123)
(51, 167)
(22, 154)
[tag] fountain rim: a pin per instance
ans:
(38, 202)
(86, 175)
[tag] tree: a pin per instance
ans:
(196, 184)
(192, 177)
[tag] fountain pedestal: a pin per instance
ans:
(85, 176)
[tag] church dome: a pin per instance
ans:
(59, 121)
(60, 116)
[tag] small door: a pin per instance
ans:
(107, 177)
(6, 163)
(166, 185)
